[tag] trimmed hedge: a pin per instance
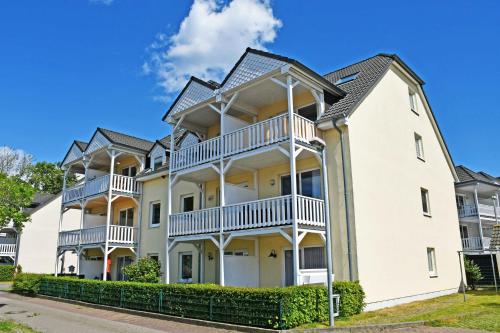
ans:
(7, 272)
(27, 283)
(261, 307)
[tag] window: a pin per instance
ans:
(419, 146)
(155, 213)
(464, 232)
(157, 162)
(130, 171)
(312, 258)
(413, 100)
(308, 184)
(431, 262)
(310, 112)
(460, 199)
(126, 217)
(347, 78)
(186, 267)
(187, 203)
(426, 208)
(237, 253)
(154, 256)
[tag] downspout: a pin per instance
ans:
(346, 197)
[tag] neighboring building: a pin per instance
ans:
(236, 217)
(477, 198)
(38, 240)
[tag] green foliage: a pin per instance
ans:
(7, 273)
(27, 283)
(16, 194)
(352, 297)
(47, 177)
(261, 307)
(472, 272)
(143, 270)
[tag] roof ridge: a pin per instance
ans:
(121, 133)
(353, 64)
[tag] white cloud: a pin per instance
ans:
(210, 40)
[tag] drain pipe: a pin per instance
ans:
(346, 204)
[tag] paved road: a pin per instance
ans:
(56, 317)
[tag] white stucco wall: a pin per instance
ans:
(38, 243)
(392, 233)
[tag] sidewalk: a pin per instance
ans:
(57, 317)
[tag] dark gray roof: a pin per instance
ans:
(126, 140)
(81, 145)
(465, 175)
(165, 141)
(39, 200)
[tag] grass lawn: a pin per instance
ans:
(9, 326)
(481, 311)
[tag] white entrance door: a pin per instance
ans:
(241, 271)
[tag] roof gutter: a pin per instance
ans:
(346, 196)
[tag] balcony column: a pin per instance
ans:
(293, 181)
(61, 213)
(108, 216)
(169, 204)
(476, 200)
(222, 199)
(82, 217)
(497, 207)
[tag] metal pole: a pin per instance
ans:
(494, 273)
(462, 282)
(329, 262)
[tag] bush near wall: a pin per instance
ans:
(7, 273)
(27, 283)
(280, 308)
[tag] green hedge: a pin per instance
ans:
(7, 272)
(261, 307)
(27, 283)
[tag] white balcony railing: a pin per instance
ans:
(117, 235)
(250, 137)
(489, 210)
(8, 250)
(484, 210)
(475, 243)
(122, 184)
(248, 215)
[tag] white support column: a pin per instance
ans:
(293, 181)
(82, 218)
(478, 215)
(60, 219)
(222, 199)
(169, 205)
(108, 216)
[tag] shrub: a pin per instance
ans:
(472, 273)
(144, 270)
(7, 273)
(27, 283)
(261, 307)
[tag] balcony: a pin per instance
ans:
(118, 236)
(475, 243)
(247, 138)
(121, 184)
(8, 250)
(484, 210)
(249, 215)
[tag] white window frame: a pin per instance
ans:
(126, 215)
(151, 204)
(153, 161)
(301, 254)
(129, 167)
(431, 262)
(181, 280)
(419, 147)
(428, 202)
(236, 253)
(412, 96)
(463, 197)
(154, 254)
(184, 196)
(299, 183)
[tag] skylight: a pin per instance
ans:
(347, 78)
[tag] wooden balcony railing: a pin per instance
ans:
(247, 138)
(95, 235)
(249, 215)
(8, 250)
(122, 184)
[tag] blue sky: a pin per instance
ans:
(70, 66)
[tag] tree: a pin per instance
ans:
(144, 270)
(47, 177)
(472, 272)
(15, 194)
(14, 162)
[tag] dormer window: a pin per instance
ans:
(157, 162)
(347, 78)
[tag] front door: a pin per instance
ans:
(288, 267)
(122, 262)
